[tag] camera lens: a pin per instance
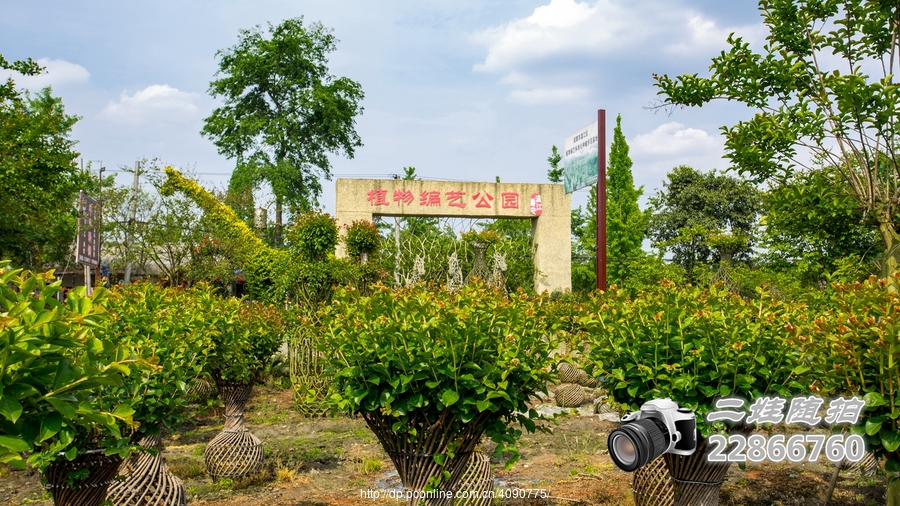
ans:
(624, 449)
(634, 444)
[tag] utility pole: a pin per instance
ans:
(97, 272)
(397, 245)
(132, 215)
(601, 200)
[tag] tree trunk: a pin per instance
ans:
(892, 494)
(891, 260)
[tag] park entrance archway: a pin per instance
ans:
(546, 205)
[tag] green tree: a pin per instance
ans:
(813, 222)
(418, 226)
(283, 113)
(555, 173)
(693, 205)
(25, 67)
(822, 86)
(39, 175)
(626, 224)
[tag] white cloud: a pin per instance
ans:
(538, 96)
(560, 26)
(533, 91)
(674, 139)
(56, 73)
(670, 145)
(153, 103)
(567, 34)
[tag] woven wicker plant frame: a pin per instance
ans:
(696, 481)
(477, 482)
(148, 480)
(89, 492)
(568, 373)
(569, 395)
(201, 390)
(868, 466)
(234, 452)
(414, 460)
(307, 375)
(652, 485)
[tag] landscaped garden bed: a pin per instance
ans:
(325, 461)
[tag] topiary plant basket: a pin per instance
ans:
(695, 480)
(147, 480)
(90, 491)
(234, 452)
(477, 482)
(652, 485)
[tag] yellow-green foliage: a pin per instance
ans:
(260, 262)
(220, 213)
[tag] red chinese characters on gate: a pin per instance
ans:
(453, 198)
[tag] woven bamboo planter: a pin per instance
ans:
(200, 390)
(868, 466)
(90, 491)
(307, 376)
(148, 480)
(234, 452)
(652, 485)
(569, 395)
(568, 373)
(696, 481)
(585, 380)
(475, 485)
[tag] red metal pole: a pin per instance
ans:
(601, 199)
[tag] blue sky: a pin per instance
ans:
(463, 90)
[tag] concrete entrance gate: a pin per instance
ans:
(546, 205)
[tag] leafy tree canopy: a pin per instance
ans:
(823, 87)
(812, 222)
(37, 166)
(25, 67)
(694, 204)
(283, 113)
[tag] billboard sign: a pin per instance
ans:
(88, 249)
(580, 158)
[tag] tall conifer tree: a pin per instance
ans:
(626, 224)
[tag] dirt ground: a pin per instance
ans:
(337, 460)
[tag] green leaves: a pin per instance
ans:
(802, 102)
(14, 444)
(853, 341)
(283, 112)
(693, 345)
(50, 425)
(37, 163)
(10, 407)
(449, 397)
(57, 374)
(468, 357)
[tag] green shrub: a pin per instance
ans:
(313, 235)
(362, 238)
(693, 345)
(853, 333)
(59, 373)
(172, 327)
(431, 370)
(247, 335)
